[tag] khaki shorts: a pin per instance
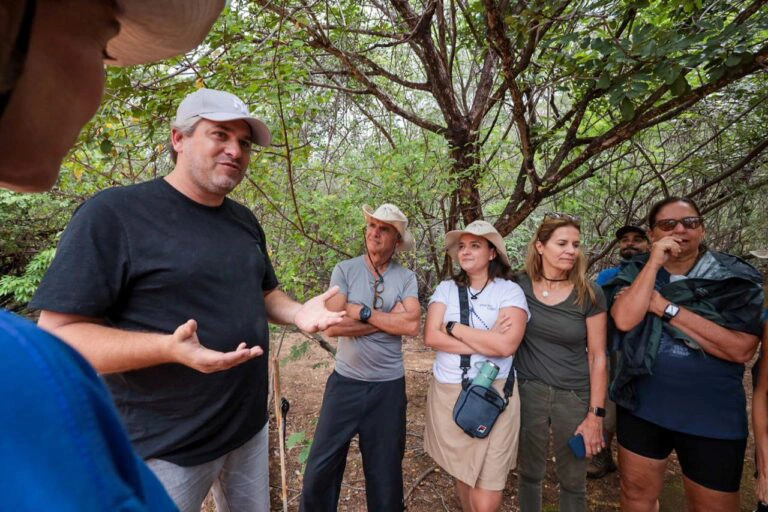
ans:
(483, 463)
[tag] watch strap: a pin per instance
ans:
(365, 313)
(597, 411)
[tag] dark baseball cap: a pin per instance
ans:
(623, 230)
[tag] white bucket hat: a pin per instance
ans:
(478, 228)
(391, 214)
(152, 30)
(222, 106)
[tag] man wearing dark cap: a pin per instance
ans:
(632, 241)
(166, 287)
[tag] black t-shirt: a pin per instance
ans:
(147, 258)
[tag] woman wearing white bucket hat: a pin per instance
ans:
(497, 318)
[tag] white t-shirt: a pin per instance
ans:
(483, 313)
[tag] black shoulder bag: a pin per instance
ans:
(478, 407)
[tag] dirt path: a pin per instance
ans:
(430, 489)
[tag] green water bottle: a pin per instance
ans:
(486, 374)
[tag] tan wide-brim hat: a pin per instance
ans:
(478, 228)
(760, 253)
(153, 30)
(391, 214)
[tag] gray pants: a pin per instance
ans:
(239, 479)
(542, 407)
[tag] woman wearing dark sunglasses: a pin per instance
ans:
(688, 319)
(561, 365)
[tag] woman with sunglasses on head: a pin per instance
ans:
(496, 317)
(561, 365)
(688, 319)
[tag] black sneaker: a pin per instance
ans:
(601, 464)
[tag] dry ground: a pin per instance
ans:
(428, 488)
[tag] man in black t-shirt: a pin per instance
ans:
(166, 288)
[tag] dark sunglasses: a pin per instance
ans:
(687, 222)
(564, 216)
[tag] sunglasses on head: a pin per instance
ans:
(564, 216)
(687, 222)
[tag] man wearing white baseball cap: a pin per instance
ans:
(166, 287)
(365, 394)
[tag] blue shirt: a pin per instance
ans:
(691, 391)
(62, 445)
(607, 275)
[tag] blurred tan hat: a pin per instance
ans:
(391, 214)
(760, 253)
(152, 30)
(478, 228)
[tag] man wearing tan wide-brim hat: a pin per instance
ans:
(365, 395)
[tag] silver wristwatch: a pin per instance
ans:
(671, 311)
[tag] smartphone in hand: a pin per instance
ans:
(576, 443)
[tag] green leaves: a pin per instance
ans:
(680, 86)
(299, 440)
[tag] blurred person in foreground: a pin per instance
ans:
(62, 444)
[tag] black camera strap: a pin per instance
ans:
(464, 363)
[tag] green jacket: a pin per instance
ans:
(722, 288)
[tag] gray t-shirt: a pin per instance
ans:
(554, 349)
(376, 357)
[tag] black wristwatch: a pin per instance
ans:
(365, 313)
(449, 327)
(597, 411)
(671, 311)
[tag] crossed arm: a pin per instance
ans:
(641, 298)
(403, 320)
(501, 341)
(112, 350)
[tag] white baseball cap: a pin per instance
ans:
(222, 106)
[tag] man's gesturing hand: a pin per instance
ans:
(313, 316)
(184, 347)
